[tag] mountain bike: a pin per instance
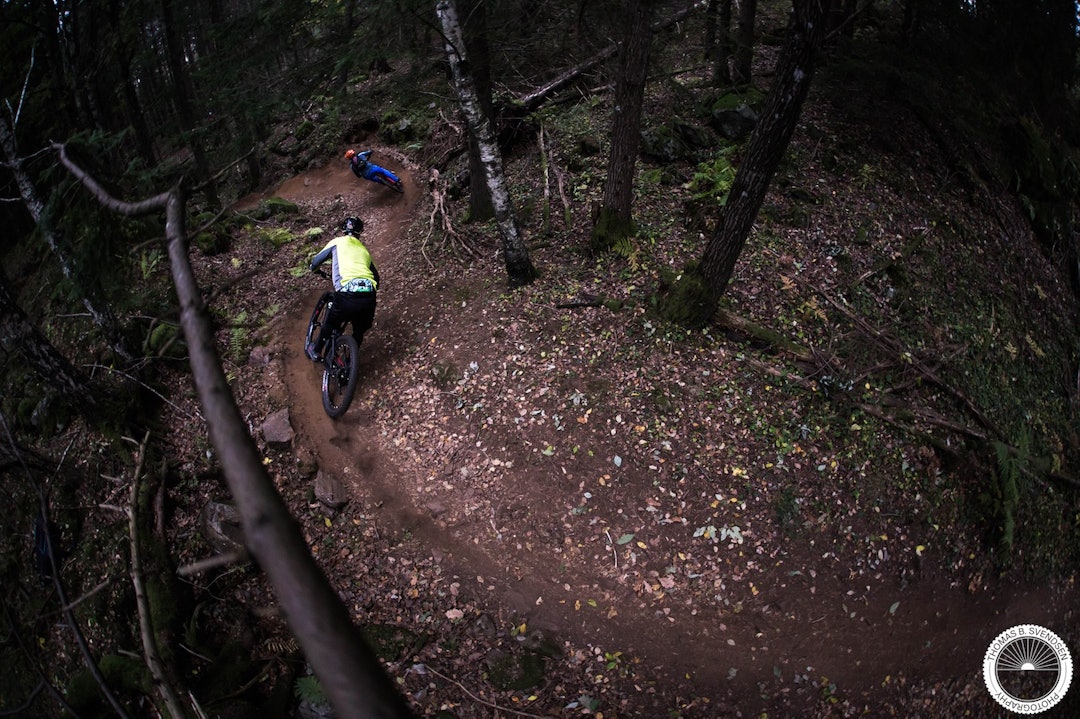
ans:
(341, 361)
(379, 174)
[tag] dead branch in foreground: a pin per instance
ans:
(354, 680)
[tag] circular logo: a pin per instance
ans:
(1027, 669)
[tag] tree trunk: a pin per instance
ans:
(722, 65)
(744, 43)
(476, 46)
(133, 110)
(519, 267)
(764, 151)
(718, 40)
(615, 221)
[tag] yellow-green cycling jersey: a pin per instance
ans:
(353, 268)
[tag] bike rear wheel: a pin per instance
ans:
(340, 375)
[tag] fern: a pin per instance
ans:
(309, 689)
(238, 336)
(712, 179)
(1010, 463)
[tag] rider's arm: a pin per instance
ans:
(322, 257)
(375, 272)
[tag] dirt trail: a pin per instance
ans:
(855, 632)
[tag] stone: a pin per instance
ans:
(330, 491)
(260, 357)
(221, 527)
(277, 430)
(734, 124)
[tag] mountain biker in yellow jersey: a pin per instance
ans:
(355, 280)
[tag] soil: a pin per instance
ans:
(517, 489)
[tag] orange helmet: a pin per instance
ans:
(349, 154)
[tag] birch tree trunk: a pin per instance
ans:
(99, 310)
(519, 267)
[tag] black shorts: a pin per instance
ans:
(355, 308)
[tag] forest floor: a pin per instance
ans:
(582, 511)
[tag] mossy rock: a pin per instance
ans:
(122, 674)
(276, 236)
(733, 100)
(212, 243)
(273, 206)
(508, 672)
(662, 144)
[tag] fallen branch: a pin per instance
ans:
(475, 698)
(354, 680)
(146, 625)
(535, 98)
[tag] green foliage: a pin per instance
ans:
(1007, 493)
(1047, 178)
(636, 250)
(309, 689)
(239, 337)
(713, 178)
(150, 263)
(276, 236)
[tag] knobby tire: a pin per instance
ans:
(340, 376)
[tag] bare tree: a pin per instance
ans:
(349, 671)
(519, 267)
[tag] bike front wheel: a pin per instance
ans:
(318, 317)
(340, 376)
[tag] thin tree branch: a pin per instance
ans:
(146, 628)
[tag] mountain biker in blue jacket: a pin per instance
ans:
(355, 281)
(358, 163)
